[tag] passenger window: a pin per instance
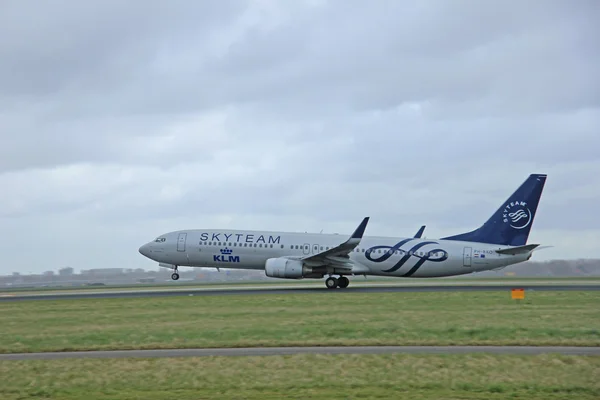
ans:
(321, 248)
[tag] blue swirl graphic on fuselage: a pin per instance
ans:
(407, 254)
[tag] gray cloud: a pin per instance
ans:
(120, 120)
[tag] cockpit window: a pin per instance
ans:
(160, 240)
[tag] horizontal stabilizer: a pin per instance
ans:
(518, 250)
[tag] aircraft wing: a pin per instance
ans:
(339, 256)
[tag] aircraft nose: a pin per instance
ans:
(145, 250)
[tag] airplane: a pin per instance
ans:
(499, 242)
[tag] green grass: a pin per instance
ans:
(463, 377)
(418, 318)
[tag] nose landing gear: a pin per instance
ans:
(175, 275)
(342, 282)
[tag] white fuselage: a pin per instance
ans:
(383, 256)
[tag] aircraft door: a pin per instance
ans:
(315, 249)
(306, 248)
(181, 241)
(467, 255)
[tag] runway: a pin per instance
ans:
(290, 289)
(277, 351)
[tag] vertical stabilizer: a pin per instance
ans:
(511, 223)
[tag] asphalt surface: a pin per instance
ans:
(275, 351)
(99, 294)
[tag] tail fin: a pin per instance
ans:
(511, 223)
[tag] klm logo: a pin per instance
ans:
(226, 256)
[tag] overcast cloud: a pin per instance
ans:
(123, 120)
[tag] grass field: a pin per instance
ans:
(417, 318)
(306, 376)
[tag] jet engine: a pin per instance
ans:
(286, 268)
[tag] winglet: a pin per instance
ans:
(343, 249)
(420, 232)
(360, 231)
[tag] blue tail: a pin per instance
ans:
(511, 223)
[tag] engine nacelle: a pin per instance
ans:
(286, 268)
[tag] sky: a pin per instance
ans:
(120, 121)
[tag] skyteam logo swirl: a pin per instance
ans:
(517, 214)
(435, 255)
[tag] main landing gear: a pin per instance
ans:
(175, 275)
(342, 282)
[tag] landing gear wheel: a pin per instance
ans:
(175, 276)
(343, 282)
(331, 282)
